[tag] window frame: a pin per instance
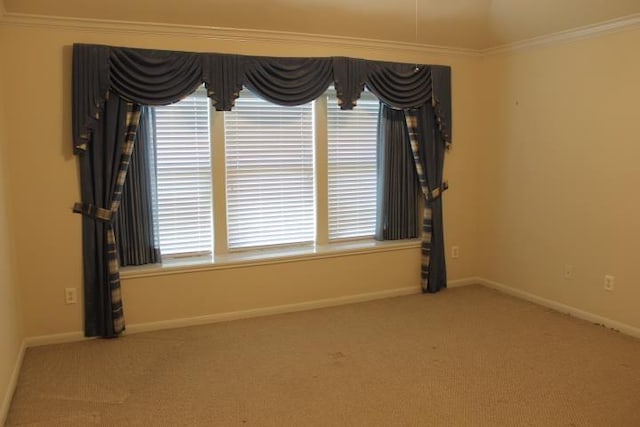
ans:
(221, 254)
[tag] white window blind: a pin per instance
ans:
(269, 162)
(352, 167)
(183, 168)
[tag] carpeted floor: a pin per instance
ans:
(464, 357)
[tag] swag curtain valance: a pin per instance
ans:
(112, 84)
(158, 77)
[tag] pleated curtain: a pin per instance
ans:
(397, 196)
(136, 229)
(103, 168)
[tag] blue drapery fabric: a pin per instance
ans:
(136, 230)
(103, 169)
(158, 77)
(398, 190)
(428, 147)
(138, 77)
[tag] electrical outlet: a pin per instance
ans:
(568, 272)
(455, 252)
(70, 296)
(609, 282)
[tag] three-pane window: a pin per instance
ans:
(270, 171)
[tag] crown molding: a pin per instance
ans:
(588, 31)
(242, 35)
(220, 33)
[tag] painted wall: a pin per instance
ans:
(542, 174)
(561, 173)
(10, 308)
(45, 176)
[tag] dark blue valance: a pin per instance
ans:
(159, 77)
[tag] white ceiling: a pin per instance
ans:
(471, 24)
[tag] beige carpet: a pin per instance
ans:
(465, 357)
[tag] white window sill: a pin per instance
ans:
(265, 256)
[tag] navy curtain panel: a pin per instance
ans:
(398, 190)
(140, 77)
(135, 227)
(429, 128)
(103, 169)
(428, 147)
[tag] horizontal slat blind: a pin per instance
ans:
(352, 167)
(183, 158)
(269, 161)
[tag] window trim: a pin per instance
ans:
(223, 257)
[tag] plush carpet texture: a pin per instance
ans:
(467, 356)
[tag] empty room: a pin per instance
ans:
(319, 212)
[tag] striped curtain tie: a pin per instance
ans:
(94, 212)
(436, 193)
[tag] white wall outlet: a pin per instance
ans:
(568, 271)
(70, 296)
(609, 281)
(455, 252)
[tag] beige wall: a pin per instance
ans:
(47, 234)
(542, 174)
(561, 173)
(10, 308)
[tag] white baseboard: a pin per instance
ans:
(56, 339)
(330, 302)
(242, 314)
(464, 282)
(287, 308)
(13, 382)
(268, 311)
(563, 308)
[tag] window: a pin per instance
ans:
(267, 160)
(183, 169)
(352, 167)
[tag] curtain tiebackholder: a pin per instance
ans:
(436, 193)
(94, 212)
